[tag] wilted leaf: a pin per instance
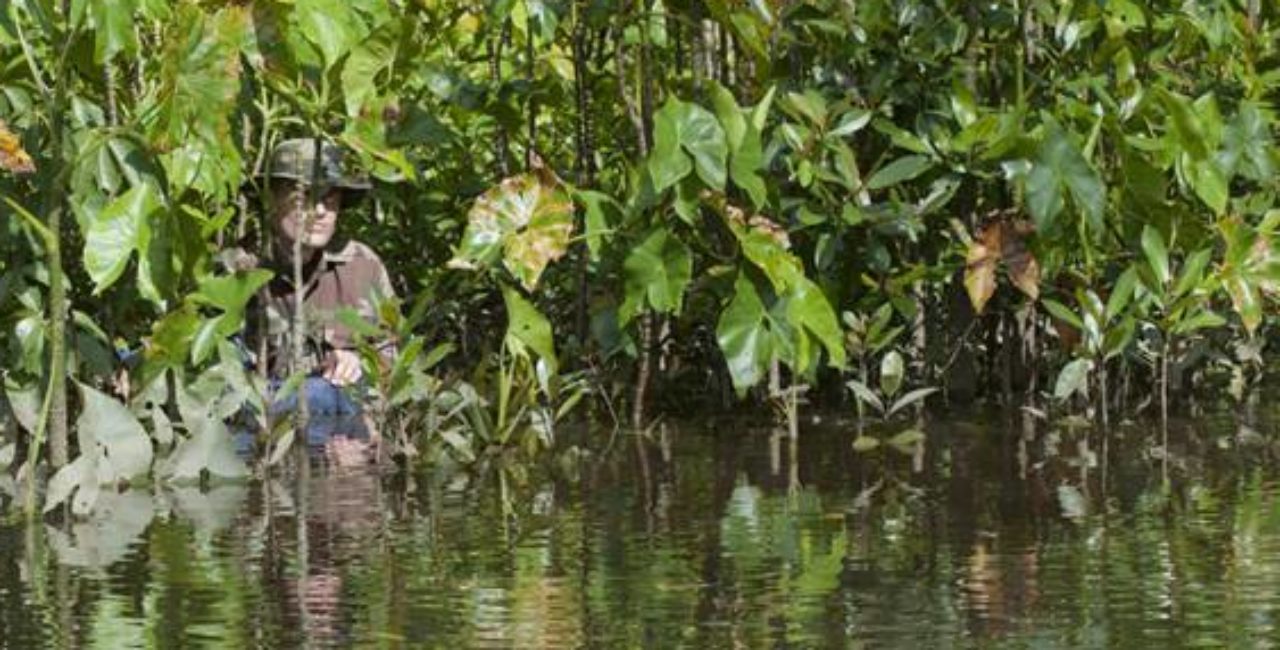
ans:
(528, 218)
(980, 266)
(1023, 269)
(12, 156)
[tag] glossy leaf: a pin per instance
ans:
(1157, 255)
(656, 274)
(892, 371)
(899, 171)
(743, 336)
(528, 328)
(683, 131)
(116, 232)
(1060, 170)
(333, 26)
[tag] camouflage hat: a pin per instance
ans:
(294, 159)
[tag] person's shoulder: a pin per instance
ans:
(357, 251)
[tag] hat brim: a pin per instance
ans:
(344, 183)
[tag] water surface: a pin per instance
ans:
(716, 533)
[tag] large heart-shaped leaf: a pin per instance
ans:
(656, 273)
(528, 328)
(526, 219)
(682, 129)
(1060, 170)
(113, 234)
(743, 335)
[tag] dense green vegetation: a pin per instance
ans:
(635, 202)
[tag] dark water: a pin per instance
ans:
(710, 534)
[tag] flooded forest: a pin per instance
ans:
(639, 323)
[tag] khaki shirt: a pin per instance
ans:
(352, 277)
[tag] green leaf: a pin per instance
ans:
(332, 26)
(1074, 378)
(656, 273)
(1157, 255)
(864, 394)
(809, 309)
(366, 61)
(1062, 312)
(743, 336)
(76, 474)
(527, 327)
(1184, 125)
(746, 151)
(210, 447)
(910, 398)
(601, 211)
(116, 232)
(1200, 320)
(24, 402)
(1192, 272)
(898, 171)
(1209, 183)
(863, 444)
(907, 438)
(682, 126)
(231, 293)
(116, 434)
(1060, 169)
(892, 370)
(1121, 293)
(1246, 301)
(113, 29)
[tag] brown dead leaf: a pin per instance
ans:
(12, 155)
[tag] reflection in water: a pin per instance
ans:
(703, 537)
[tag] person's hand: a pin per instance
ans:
(343, 368)
(347, 452)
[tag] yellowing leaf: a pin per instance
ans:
(980, 267)
(1005, 240)
(12, 156)
(527, 220)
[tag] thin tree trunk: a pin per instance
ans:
(1164, 412)
(501, 145)
(584, 165)
(532, 108)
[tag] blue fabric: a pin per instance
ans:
(323, 399)
(332, 412)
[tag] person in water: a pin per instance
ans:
(304, 209)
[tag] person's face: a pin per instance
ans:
(291, 218)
